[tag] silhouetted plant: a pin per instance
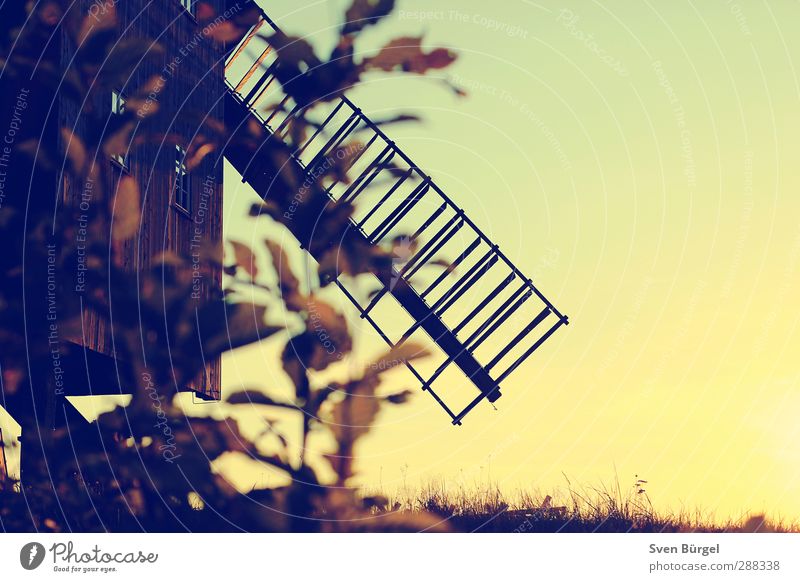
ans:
(132, 477)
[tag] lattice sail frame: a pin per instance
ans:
(467, 327)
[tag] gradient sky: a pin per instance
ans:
(639, 160)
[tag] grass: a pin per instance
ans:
(486, 509)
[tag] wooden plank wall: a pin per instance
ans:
(193, 70)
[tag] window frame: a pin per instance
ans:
(182, 183)
(190, 7)
(118, 103)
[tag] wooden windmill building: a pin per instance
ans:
(180, 209)
(482, 314)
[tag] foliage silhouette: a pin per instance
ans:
(149, 466)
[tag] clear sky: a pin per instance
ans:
(639, 158)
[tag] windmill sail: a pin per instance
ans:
(484, 315)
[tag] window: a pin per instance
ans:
(118, 108)
(117, 103)
(182, 196)
(188, 5)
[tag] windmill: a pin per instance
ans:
(485, 316)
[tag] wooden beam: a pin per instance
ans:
(253, 69)
(244, 44)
